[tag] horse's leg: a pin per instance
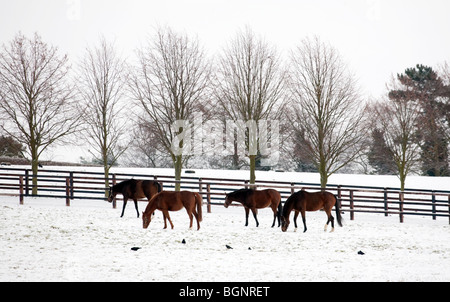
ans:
(196, 218)
(165, 223)
(125, 199)
(136, 206)
(247, 211)
(168, 217)
(191, 218)
(295, 220)
(255, 212)
(304, 219)
(274, 209)
(330, 218)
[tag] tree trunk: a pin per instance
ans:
(252, 168)
(106, 169)
(178, 165)
(323, 179)
(34, 168)
(323, 173)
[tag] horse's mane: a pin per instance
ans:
(120, 185)
(240, 191)
(290, 200)
(287, 204)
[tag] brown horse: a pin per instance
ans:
(303, 201)
(253, 200)
(174, 201)
(134, 189)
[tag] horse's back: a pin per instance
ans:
(265, 198)
(177, 196)
(274, 194)
(168, 200)
(318, 200)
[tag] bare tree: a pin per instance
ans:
(170, 83)
(398, 120)
(250, 87)
(35, 97)
(102, 81)
(329, 110)
(444, 71)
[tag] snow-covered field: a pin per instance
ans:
(44, 240)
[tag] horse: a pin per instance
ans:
(134, 189)
(174, 201)
(253, 200)
(303, 201)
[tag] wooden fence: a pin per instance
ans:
(70, 185)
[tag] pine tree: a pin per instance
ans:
(423, 85)
(380, 156)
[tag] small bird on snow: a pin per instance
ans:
(228, 247)
(135, 248)
(360, 253)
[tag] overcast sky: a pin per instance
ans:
(376, 38)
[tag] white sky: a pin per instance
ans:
(377, 38)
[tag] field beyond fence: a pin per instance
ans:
(70, 185)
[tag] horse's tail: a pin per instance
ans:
(199, 202)
(280, 209)
(338, 211)
(158, 185)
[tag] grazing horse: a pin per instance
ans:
(253, 200)
(174, 201)
(303, 201)
(134, 189)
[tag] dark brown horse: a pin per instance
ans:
(174, 201)
(303, 201)
(253, 200)
(134, 189)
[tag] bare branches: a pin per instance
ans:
(328, 107)
(398, 120)
(35, 96)
(250, 79)
(250, 86)
(102, 81)
(170, 83)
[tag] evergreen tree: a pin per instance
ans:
(380, 156)
(10, 147)
(423, 85)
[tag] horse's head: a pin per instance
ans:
(284, 223)
(146, 219)
(110, 195)
(227, 201)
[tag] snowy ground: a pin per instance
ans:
(44, 240)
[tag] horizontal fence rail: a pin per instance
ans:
(70, 185)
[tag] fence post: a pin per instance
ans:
(21, 189)
(386, 206)
(292, 188)
(400, 207)
(68, 191)
(352, 214)
(448, 209)
(114, 202)
(71, 185)
(200, 187)
(208, 198)
(433, 204)
(26, 182)
(339, 196)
